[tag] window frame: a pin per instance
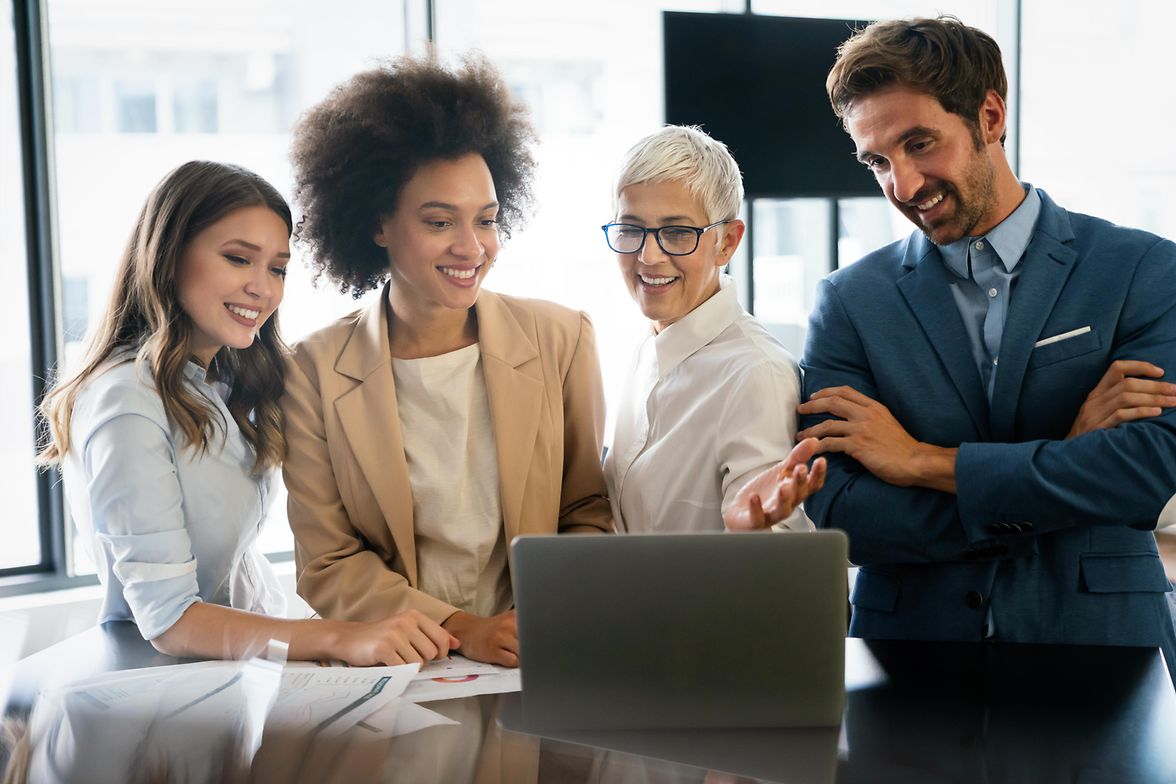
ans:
(44, 328)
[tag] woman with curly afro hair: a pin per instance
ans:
(426, 430)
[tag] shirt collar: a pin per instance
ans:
(195, 372)
(698, 327)
(1009, 238)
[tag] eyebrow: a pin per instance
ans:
(667, 220)
(254, 248)
(909, 133)
(442, 205)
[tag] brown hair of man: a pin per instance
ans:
(942, 57)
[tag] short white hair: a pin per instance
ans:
(686, 154)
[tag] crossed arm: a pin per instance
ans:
(865, 429)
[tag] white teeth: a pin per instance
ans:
(648, 281)
(459, 274)
(930, 202)
(249, 314)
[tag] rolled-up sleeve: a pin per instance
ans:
(757, 429)
(136, 508)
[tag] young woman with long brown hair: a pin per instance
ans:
(168, 434)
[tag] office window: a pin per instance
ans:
(792, 251)
(141, 87)
(22, 538)
(135, 106)
(195, 106)
(989, 15)
(1098, 113)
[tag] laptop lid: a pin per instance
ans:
(682, 630)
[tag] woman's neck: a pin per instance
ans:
(417, 334)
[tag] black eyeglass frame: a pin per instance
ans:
(656, 232)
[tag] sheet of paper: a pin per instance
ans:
(333, 699)
(454, 666)
(400, 717)
(503, 679)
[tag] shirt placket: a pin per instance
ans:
(633, 429)
(995, 288)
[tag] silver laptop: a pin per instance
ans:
(690, 630)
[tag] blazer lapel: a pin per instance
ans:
(927, 290)
(514, 386)
(1048, 261)
(371, 422)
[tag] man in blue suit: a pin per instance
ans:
(985, 493)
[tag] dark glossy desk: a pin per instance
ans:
(934, 712)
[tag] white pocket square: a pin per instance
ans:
(1064, 336)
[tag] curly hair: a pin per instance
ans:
(354, 152)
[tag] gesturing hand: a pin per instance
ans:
(783, 485)
(869, 433)
(1125, 393)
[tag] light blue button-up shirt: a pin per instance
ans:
(986, 271)
(167, 526)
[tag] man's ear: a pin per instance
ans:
(380, 237)
(993, 118)
(732, 236)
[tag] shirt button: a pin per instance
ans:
(974, 600)
(979, 245)
(992, 292)
(996, 360)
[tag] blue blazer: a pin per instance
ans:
(1053, 536)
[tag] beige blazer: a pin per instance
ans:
(350, 502)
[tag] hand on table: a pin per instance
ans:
(403, 638)
(494, 639)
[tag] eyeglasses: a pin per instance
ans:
(673, 240)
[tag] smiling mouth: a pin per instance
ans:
(929, 203)
(460, 274)
(244, 312)
(649, 280)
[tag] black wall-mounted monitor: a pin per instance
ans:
(757, 83)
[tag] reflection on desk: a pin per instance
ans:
(917, 711)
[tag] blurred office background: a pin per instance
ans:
(135, 87)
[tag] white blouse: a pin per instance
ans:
(167, 526)
(449, 445)
(710, 402)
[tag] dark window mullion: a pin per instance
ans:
(43, 280)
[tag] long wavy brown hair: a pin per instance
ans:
(145, 323)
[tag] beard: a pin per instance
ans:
(972, 203)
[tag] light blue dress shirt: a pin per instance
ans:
(986, 269)
(167, 526)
